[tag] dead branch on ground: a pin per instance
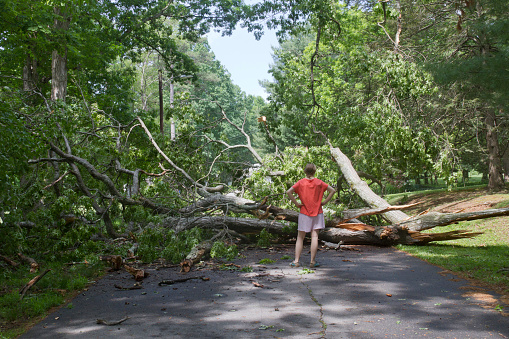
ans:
(171, 282)
(31, 283)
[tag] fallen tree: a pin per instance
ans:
(212, 209)
(404, 229)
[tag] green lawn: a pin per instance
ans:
(484, 258)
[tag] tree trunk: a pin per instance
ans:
(495, 177)
(30, 76)
(161, 108)
(505, 163)
(59, 61)
(362, 189)
(58, 76)
(398, 28)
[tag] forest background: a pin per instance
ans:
(115, 115)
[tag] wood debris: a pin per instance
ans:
(34, 266)
(137, 273)
(31, 283)
(171, 282)
(111, 323)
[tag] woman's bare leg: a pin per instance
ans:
(314, 245)
(299, 245)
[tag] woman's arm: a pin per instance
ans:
(331, 191)
(291, 196)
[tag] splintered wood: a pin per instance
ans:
(114, 260)
(137, 273)
(34, 266)
(356, 227)
(31, 283)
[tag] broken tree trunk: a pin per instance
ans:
(137, 273)
(406, 231)
(435, 219)
(362, 189)
(195, 255)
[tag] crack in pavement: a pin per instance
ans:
(322, 322)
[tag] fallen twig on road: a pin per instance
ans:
(171, 282)
(111, 323)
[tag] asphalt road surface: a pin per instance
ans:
(359, 292)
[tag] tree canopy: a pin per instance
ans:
(408, 90)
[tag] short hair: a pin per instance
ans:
(310, 169)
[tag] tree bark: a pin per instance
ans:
(505, 163)
(495, 177)
(362, 189)
(59, 60)
(196, 254)
(30, 77)
(58, 76)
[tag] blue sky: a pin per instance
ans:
(246, 59)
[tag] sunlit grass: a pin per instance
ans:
(484, 257)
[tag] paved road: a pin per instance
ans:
(368, 292)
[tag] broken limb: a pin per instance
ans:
(12, 263)
(34, 266)
(354, 214)
(198, 252)
(31, 283)
(171, 282)
(137, 273)
(134, 287)
(115, 261)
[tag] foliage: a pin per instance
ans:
(260, 184)
(368, 102)
(264, 238)
(305, 271)
(266, 261)
(385, 105)
(154, 243)
(246, 269)
(221, 250)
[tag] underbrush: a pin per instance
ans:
(52, 290)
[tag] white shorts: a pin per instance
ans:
(307, 223)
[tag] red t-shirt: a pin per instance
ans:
(310, 192)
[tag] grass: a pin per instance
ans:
(53, 290)
(484, 258)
